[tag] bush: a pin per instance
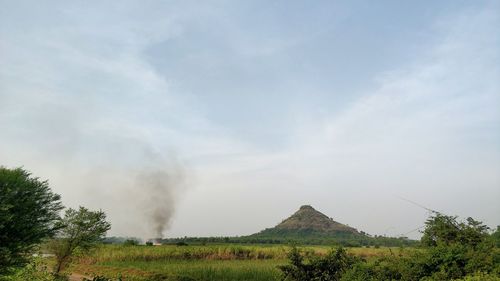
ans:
(130, 242)
(35, 270)
(330, 267)
(452, 251)
(479, 276)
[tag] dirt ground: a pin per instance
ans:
(77, 277)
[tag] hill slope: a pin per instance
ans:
(308, 223)
(307, 218)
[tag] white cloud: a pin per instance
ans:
(80, 105)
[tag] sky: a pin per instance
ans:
(242, 111)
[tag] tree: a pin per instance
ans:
(456, 249)
(495, 236)
(28, 212)
(443, 229)
(79, 229)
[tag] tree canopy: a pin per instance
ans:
(28, 213)
(443, 229)
(78, 229)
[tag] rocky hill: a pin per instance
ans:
(307, 218)
(307, 223)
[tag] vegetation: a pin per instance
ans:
(122, 253)
(307, 226)
(330, 267)
(198, 262)
(131, 242)
(453, 250)
(449, 249)
(80, 229)
(35, 270)
(445, 261)
(495, 237)
(120, 240)
(28, 213)
(446, 230)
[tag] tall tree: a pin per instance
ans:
(28, 213)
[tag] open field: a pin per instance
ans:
(211, 262)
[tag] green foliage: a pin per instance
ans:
(119, 240)
(81, 230)
(452, 250)
(35, 270)
(301, 237)
(330, 267)
(191, 270)
(28, 212)
(131, 242)
(442, 229)
(495, 237)
(480, 276)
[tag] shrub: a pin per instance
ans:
(35, 270)
(130, 242)
(329, 267)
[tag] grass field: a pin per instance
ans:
(211, 262)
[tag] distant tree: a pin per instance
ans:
(456, 249)
(443, 229)
(28, 213)
(79, 229)
(130, 242)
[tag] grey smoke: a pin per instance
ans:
(160, 190)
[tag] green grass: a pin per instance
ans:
(210, 262)
(206, 269)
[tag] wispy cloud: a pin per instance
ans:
(84, 104)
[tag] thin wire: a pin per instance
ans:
(431, 211)
(419, 205)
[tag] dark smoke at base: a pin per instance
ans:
(160, 190)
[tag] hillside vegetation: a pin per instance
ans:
(306, 226)
(307, 218)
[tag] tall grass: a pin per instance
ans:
(168, 252)
(210, 262)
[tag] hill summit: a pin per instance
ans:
(308, 218)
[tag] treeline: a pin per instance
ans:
(121, 240)
(310, 239)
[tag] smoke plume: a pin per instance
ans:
(160, 190)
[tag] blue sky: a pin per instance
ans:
(264, 106)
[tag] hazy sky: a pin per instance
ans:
(257, 107)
